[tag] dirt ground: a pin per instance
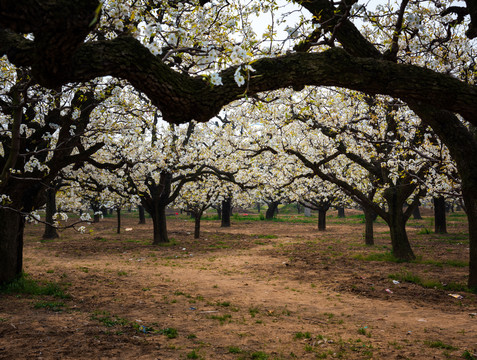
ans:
(256, 290)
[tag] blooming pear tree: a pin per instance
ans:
(424, 60)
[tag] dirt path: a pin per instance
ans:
(234, 295)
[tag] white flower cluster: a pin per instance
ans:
(33, 163)
(4, 199)
(85, 216)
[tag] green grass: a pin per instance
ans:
(27, 286)
(222, 318)
(52, 305)
(302, 335)
(427, 283)
(468, 355)
(234, 350)
(439, 345)
(387, 256)
(171, 333)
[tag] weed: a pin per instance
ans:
(27, 286)
(426, 283)
(468, 356)
(259, 355)
(253, 311)
(193, 355)
(52, 306)
(171, 333)
(109, 320)
(222, 318)
(387, 256)
(300, 335)
(192, 336)
(234, 350)
(439, 345)
(224, 303)
(424, 231)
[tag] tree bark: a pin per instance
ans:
(50, 230)
(118, 214)
(401, 248)
(12, 224)
(470, 201)
(226, 211)
(416, 214)
(369, 218)
(440, 226)
(272, 210)
(159, 225)
(198, 216)
(321, 219)
(341, 212)
(142, 217)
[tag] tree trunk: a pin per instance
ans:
(11, 245)
(198, 216)
(416, 213)
(159, 225)
(226, 210)
(440, 215)
(397, 225)
(307, 212)
(142, 217)
(341, 212)
(118, 214)
(321, 219)
(50, 230)
(369, 217)
(272, 210)
(471, 210)
(299, 208)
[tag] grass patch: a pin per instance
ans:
(439, 345)
(222, 318)
(28, 286)
(468, 356)
(427, 283)
(301, 335)
(234, 350)
(387, 256)
(52, 305)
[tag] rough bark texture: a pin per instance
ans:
(182, 98)
(142, 217)
(369, 218)
(341, 212)
(396, 220)
(118, 216)
(197, 218)
(11, 244)
(226, 212)
(50, 230)
(471, 209)
(159, 225)
(322, 219)
(272, 210)
(440, 226)
(416, 214)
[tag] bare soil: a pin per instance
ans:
(256, 290)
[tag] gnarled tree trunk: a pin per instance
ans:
(12, 224)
